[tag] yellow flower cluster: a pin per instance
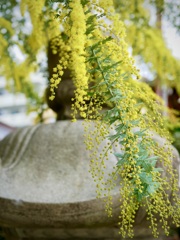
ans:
(148, 42)
(77, 43)
(134, 107)
(35, 10)
(89, 39)
(157, 202)
(59, 47)
(11, 69)
(4, 23)
(71, 50)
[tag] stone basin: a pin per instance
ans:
(47, 192)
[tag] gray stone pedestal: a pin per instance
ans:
(46, 191)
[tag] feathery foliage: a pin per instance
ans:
(125, 112)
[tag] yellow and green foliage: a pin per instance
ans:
(146, 38)
(90, 39)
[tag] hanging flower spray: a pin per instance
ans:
(109, 94)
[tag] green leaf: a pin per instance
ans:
(91, 59)
(113, 120)
(158, 170)
(117, 91)
(90, 29)
(106, 60)
(153, 162)
(94, 70)
(64, 37)
(145, 178)
(119, 155)
(151, 189)
(113, 137)
(88, 11)
(143, 156)
(140, 133)
(120, 162)
(84, 2)
(95, 45)
(119, 127)
(116, 98)
(106, 40)
(102, 83)
(152, 158)
(139, 196)
(135, 122)
(97, 50)
(147, 167)
(112, 84)
(91, 18)
(90, 93)
(107, 68)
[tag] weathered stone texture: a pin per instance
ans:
(46, 190)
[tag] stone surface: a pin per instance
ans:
(46, 191)
(47, 163)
